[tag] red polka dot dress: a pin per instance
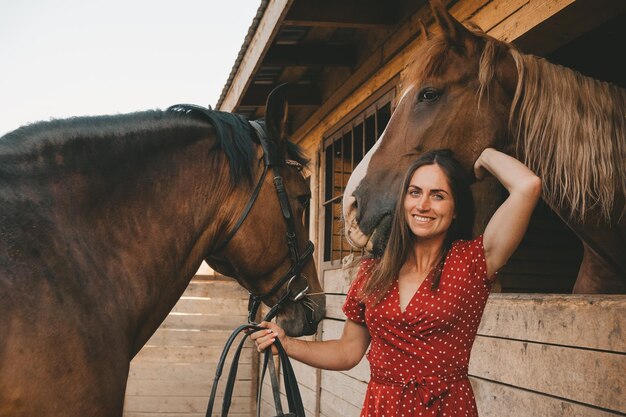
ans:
(419, 357)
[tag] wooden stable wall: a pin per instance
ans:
(172, 375)
(535, 355)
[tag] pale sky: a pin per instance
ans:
(63, 58)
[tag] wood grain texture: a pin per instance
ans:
(172, 375)
(497, 400)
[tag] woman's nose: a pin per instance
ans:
(423, 204)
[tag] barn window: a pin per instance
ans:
(343, 150)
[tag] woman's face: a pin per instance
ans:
(428, 204)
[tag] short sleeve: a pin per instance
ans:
(479, 262)
(354, 307)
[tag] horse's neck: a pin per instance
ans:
(163, 227)
(135, 231)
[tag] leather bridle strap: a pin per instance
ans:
(246, 211)
(294, 399)
(272, 159)
(254, 302)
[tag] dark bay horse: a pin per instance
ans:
(104, 221)
(468, 91)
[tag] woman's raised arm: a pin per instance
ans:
(507, 226)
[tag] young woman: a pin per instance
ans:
(420, 304)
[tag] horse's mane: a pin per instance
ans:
(570, 129)
(138, 133)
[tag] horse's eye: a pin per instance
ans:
(428, 94)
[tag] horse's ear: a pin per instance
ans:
(276, 117)
(425, 32)
(453, 30)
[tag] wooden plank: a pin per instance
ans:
(188, 354)
(337, 281)
(308, 400)
(184, 388)
(203, 305)
(332, 329)
(333, 306)
(360, 372)
(203, 321)
(305, 374)
(260, 42)
(586, 376)
(299, 95)
(332, 405)
(531, 14)
(568, 24)
(184, 337)
(591, 321)
(497, 400)
(310, 54)
(267, 407)
(170, 404)
(363, 14)
(494, 13)
(183, 371)
(173, 373)
(344, 386)
(215, 414)
(407, 32)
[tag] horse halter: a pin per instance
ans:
(273, 159)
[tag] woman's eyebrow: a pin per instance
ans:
(434, 190)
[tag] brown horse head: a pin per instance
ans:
(467, 91)
(258, 254)
(458, 88)
(105, 220)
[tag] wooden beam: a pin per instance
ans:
(298, 95)
(568, 24)
(262, 39)
(305, 55)
(343, 13)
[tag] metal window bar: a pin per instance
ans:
(342, 146)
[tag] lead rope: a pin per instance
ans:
(294, 399)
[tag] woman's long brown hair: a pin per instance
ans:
(401, 239)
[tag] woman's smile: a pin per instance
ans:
(422, 219)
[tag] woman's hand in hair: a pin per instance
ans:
(480, 172)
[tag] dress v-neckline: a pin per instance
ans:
(413, 297)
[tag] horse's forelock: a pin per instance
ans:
(432, 57)
(296, 153)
